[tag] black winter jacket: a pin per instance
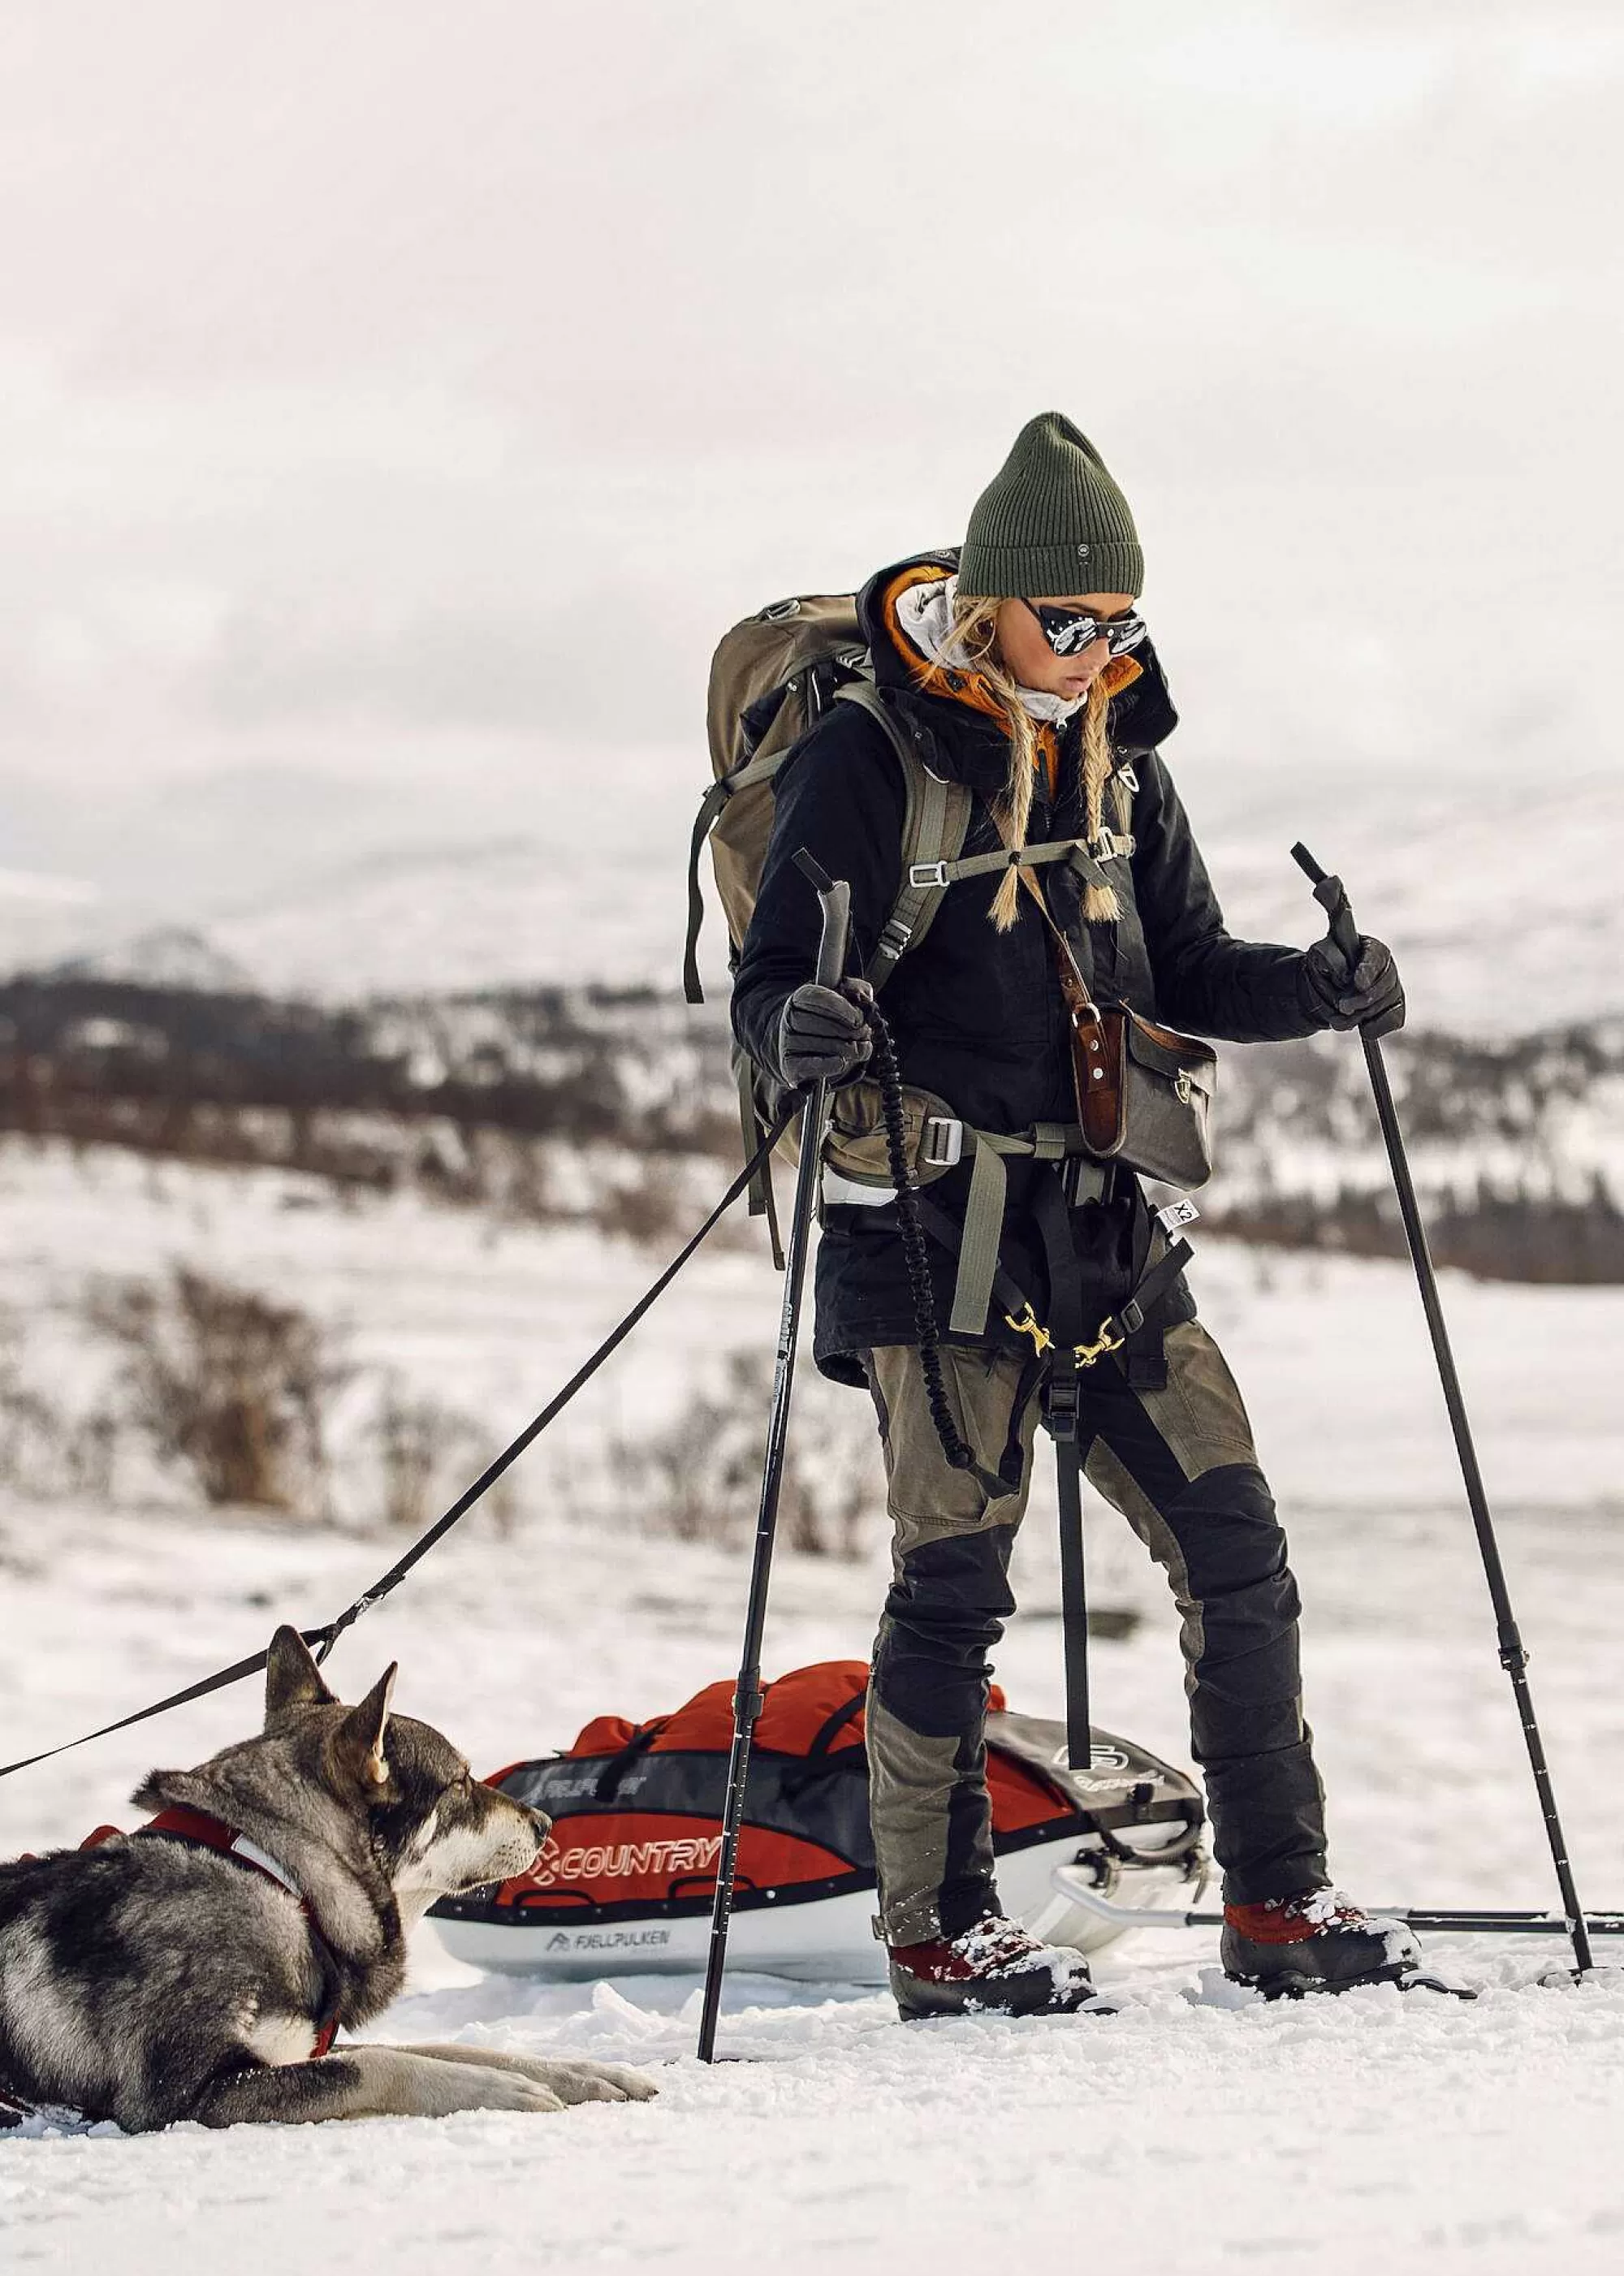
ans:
(977, 1014)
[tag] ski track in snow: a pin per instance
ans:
(1199, 2128)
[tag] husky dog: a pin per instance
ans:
(199, 1968)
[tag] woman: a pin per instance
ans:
(1021, 669)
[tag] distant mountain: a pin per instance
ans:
(1503, 904)
(44, 918)
(587, 908)
(165, 956)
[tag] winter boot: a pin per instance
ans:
(1316, 1941)
(994, 1967)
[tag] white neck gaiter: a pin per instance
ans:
(924, 613)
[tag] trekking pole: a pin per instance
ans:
(1332, 897)
(836, 900)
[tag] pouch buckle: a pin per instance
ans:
(941, 1142)
(1182, 1086)
(922, 874)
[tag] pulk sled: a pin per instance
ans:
(836, 900)
(1329, 892)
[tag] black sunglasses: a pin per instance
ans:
(1069, 631)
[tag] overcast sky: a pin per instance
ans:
(397, 401)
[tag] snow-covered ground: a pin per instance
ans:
(1195, 2129)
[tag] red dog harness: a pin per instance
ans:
(203, 1831)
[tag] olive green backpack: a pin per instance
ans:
(772, 677)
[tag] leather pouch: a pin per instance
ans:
(1145, 1093)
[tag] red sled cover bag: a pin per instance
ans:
(636, 1808)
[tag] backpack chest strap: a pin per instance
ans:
(924, 881)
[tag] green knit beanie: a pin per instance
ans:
(1051, 521)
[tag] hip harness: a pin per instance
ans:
(1061, 1352)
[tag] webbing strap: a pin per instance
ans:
(744, 777)
(983, 1223)
(1073, 1603)
(1073, 850)
(937, 814)
(760, 1189)
(715, 798)
(925, 840)
(1063, 1418)
(984, 1214)
(918, 899)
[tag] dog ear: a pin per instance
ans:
(359, 1738)
(292, 1677)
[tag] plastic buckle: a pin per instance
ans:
(941, 1142)
(1106, 845)
(922, 874)
(1062, 1409)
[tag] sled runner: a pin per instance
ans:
(627, 1880)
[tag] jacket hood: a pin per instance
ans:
(1141, 711)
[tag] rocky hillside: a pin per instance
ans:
(1516, 1145)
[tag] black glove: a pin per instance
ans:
(823, 1033)
(1371, 996)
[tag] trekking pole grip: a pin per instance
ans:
(1331, 895)
(835, 899)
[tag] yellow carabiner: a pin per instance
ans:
(1029, 1325)
(1085, 1354)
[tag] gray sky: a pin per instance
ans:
(397, 401)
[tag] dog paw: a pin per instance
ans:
(479, 2089)
(590, 2082)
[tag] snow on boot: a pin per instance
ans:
(1316, 1942)
(994, 1967)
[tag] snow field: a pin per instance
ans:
(1198, 2127)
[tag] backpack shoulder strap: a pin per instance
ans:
(934, 823)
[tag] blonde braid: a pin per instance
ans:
(972, 645)
(1013, 812)
(1100, 905)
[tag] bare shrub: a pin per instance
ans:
(700, 1478)
(225, 1382)
(651, 1207)
(31, 1428)
(420, 1443)
(44, 1450)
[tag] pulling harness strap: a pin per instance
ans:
(1063, 1420)
(983, 1216)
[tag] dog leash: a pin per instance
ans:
(328, 1636)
